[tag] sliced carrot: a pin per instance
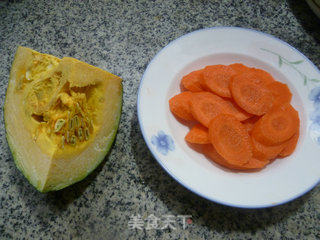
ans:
(255, 164)
(261, 151)
(239, 68)
(192, 81)
(217, 78)
(205, 106)
(265, 152)
(250, 93)
(231, 139)
(249, 123)
(277, 126)
(180, 105)
(236, 111)
(198, 134)
(262, 76)
(212, 153)
(290, 145)
(280, 91)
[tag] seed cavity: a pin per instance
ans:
(59, 124)
(73, 129)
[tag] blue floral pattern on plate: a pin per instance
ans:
(163, 142)
(314, 96)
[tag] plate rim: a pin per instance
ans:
(152, 150)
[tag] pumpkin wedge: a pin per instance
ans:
(61, 117)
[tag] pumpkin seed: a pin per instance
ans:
(59, 124)
(49, 66)
(80, 135)
(73, 140)
(70, 127)
(78, 107)
(28, 75)
(86, 134)
(76, 121)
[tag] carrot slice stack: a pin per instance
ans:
(243, 116)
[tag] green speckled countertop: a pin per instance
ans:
(122, 37)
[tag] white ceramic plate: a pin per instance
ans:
(280, 182)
